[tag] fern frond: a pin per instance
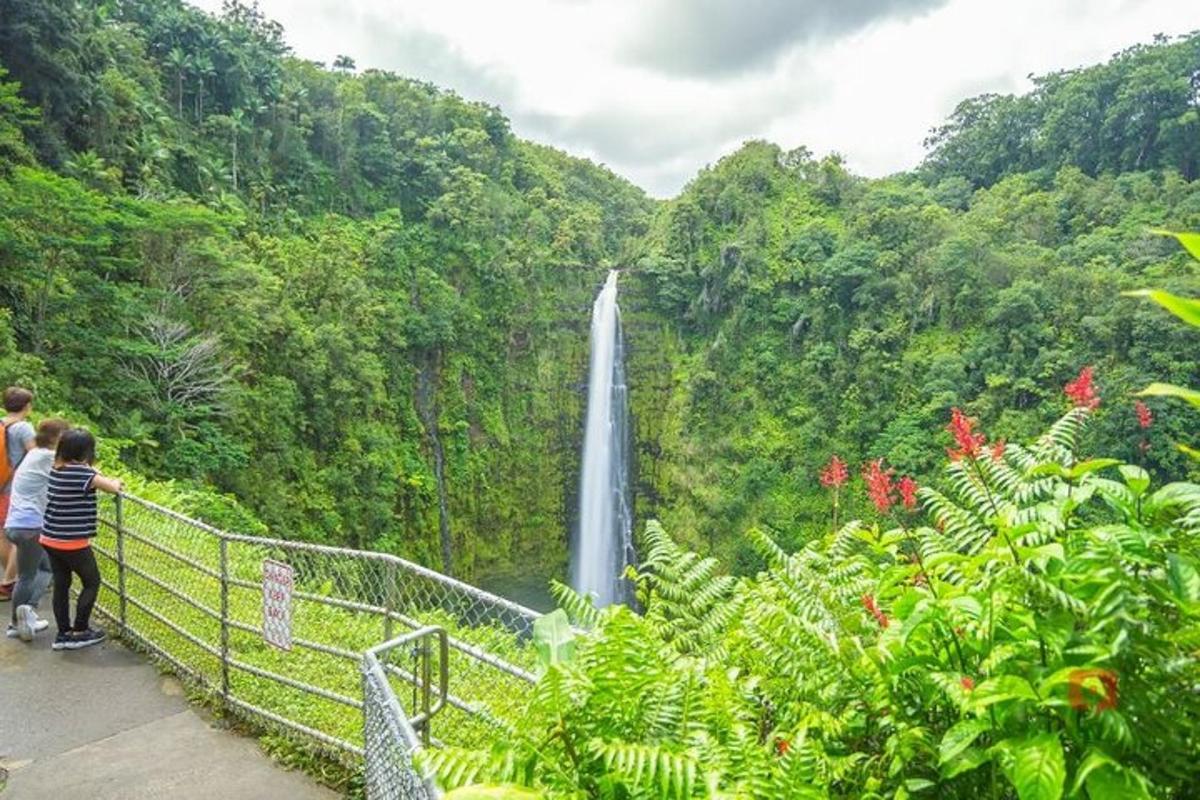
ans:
(579, 608)
(673, 774)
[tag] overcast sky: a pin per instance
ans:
(657, 89)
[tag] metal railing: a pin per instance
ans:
(390, 738)
(363, 629)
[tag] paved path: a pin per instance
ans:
(102, 723)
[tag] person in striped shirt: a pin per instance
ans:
(67, 531)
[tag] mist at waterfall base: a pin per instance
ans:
(603, 539)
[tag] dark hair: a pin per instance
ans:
(16, 398)
(76, 445)
(49, 431)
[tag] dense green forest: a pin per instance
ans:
(786, 310)
(358, 303)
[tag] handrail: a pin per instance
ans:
(183, 591)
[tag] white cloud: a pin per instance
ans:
(867, 78)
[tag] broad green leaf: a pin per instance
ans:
(960, 736)
(1038, 769)
(1183, 578)
(969, 760)
(1111, 782)
(1170, 390)
(1094, 759)
(915, 785)
(1136, 478)
(1107, 780)
(1186, 308)
(1190, 241)
(1092, 465)
(1189, 451)
(553, 638)
(493, 793)
(1000, 689)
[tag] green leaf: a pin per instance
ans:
(1183, 578)
(493, 793)
(1190, 451)
(1111, 782)
(1037, 768)
(1170, 390)
(1107, 780)
(1136, 478)
(1000, 689)
(1092, 465)
(1190, 241)
(959, 737)
(971, 758)
(1186, 308)
(554, 638)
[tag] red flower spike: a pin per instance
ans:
(879, 485)
(1081, 391)
(835, 474)
(908, 492)
(868, 602)
(962, 428)
(998, 450)
(1145, 416)
(968, 683)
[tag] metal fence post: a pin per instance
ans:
(389, 601)
(120, 515)
(426, 689)
(224, 618)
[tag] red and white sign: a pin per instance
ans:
(278, 580)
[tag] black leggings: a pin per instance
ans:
(82, 563)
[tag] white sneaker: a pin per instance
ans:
(11, 631)
(28, 623)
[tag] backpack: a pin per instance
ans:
(6, 470)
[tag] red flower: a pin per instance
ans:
(835, 474)
(998, 450)
(1082, 392)
(879, 485)
(908, 492)
(962, 428)
(1144, 416)
(783, 747)
(968, 683)
(868, 602)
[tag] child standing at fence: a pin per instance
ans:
(23, 529)
(68, 528)
(16, 439)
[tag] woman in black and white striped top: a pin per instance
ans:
(68, 528)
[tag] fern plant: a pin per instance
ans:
(1033, 635)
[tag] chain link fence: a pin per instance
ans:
(370, 634)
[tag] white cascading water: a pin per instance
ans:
(603, 540)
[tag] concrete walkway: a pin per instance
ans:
(102, 723)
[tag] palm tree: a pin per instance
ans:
(205, 71)
(181, 63)
(343, 64)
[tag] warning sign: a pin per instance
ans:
(278, 579)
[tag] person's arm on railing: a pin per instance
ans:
(105, 484)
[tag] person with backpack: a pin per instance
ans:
(24, 529)
(16, 441)
(67, 530)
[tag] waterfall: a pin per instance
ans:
(603, 542)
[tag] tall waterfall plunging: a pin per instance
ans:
(604, 536)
